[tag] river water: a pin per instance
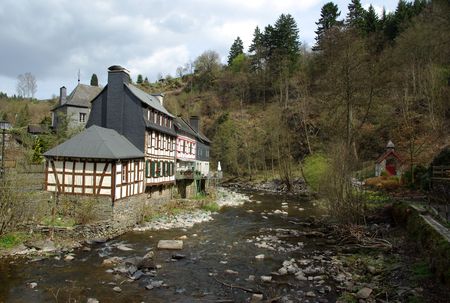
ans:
(217, 253)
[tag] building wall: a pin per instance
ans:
(160, 158)
(202, 167)
(95, 178)
(186, 148)
(73, 116)
(202, 151)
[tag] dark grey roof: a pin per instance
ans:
(81, 96)
(200, 136)
(96, 142)
(159, 128)
(148, 99)
(183, 126)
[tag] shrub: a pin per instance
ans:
(314, 169)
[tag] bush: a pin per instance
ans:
(211, 206)
(314, 169)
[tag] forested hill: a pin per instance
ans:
(368, 79)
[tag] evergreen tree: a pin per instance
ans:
(23, 117)
(256, 50)
(285, 36)
(140, 79)
(355, 16)
(237, 48)
(371, 21)
(328, 18)
(146, 82)
(94, 80)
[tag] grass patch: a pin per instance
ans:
(347, 297)
(211, 206)
(58, 222)
(12, 239)
(421, 271)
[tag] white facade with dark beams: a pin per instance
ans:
(97, 162)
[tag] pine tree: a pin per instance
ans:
(285, 36)
(371, 21)
(146, 81)
(328, 18)
(236, 49)
(140, 79)
(256, 50)
(94, 80)
(355, 16)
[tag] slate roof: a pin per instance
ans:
(81, 96)
(159, 128)
(148, 99)
(183, 126)
(199, 135)
(388, 153)
(98, 143)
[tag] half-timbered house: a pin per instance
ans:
(97, 161)
(186, 147)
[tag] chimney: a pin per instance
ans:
(195, 121)
(118, 74)
(160, 98)
(117, 78)
(62, 95)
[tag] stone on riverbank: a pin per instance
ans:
(364, 293)
(170, 244)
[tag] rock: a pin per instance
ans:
(178, 256)
(92, 300)
(282, 271)
(85, 248)
(310, 294)
(112, 261)
(69, 257)
(170, 244)
(109, 271)
(364, 293)
(184, 237)
(231, 272)
(117, 289)
(136, 261)
(99, 240)
(371, 269)
(149, 287)
(124, 248)
(251, 278)
(137, 275)
(256, 298)
(43, 245)
(132, 269)
(266, 278)
(149, 255)
(32, 285)
(259, 257)
(301, 277)
(194, 235)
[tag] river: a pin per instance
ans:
(217, 254)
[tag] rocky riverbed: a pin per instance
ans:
(271, 248)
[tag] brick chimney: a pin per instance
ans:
(62, 95)
(117, 78)
(195, 122)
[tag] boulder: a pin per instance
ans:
(170, 244)
(256, 298)
(259, 257)
(117, 289)
(364, 293)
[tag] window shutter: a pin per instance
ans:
(147, 169)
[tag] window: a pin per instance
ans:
(124, 172)
(155, 118)
(83, 117)
(190, 148)
(184, 146)
(150, 115)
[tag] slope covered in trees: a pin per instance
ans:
(369, 79)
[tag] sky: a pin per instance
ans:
(56, 39)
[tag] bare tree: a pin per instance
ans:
(26, 85)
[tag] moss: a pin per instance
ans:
(212, 207)
(11, 240)
(347, 297)
(421, 271)
(430, 243)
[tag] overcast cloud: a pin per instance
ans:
(54, 39)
